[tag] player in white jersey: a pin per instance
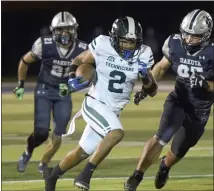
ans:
(119, 59)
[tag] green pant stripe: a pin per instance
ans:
(91, 118)
(95, 114)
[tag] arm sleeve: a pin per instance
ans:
(37, 48)
(95, 46)
(165, 48)
(147, 57)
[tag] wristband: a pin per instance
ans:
(21, 83)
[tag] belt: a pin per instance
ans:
(94, 98)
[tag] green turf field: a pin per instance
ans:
(195, 172)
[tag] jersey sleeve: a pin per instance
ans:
(37, 48)
(95, 46)
(146, 57)
(165, 48)
(82, 45)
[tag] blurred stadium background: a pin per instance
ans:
(23, 23)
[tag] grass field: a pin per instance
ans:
(195, 172)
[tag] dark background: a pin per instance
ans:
(22, 23)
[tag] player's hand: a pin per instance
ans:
(19, 92)
(139, 96)
(63, 90)
(76, 84)
(198, 81)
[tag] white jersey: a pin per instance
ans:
(115, 76)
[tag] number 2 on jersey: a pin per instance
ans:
(122, 79)
(183, 70)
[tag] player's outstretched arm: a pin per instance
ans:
(152, 87)
(149, 87)
(160, 68)
(149, 83)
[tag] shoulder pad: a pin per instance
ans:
(96, 43)
(175, 36)
(82, 45)
(47, 39)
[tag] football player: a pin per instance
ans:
(119, 59)
(56, 52)
(187, 107)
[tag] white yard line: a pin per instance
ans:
(121, 144)
(111, 178)
(122, 158)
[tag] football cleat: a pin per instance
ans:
(41, 167)
(23, 161)
(50, 182)
(82, 182)
(161, 176)
(131, 184)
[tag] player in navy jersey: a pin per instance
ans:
(56, 53)
(187, 107)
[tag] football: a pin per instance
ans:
(87, 71)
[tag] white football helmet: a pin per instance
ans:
(197, 23)
(64, 27)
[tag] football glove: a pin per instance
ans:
(77, 83)
(139, 96)
(63, 90)
(198, 81)
(19, 91)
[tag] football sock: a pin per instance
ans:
(163, 165)
(89, 168)
(57, 172)
(138, 176)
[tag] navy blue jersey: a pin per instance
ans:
(183, 64)
(55, 65)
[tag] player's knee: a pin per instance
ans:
(179, 152)
(79, 151)
(116, 135)
(156, 142)
(194, 140)
(59, 130)
(41, 135)
(160, 141)
(56, 141)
